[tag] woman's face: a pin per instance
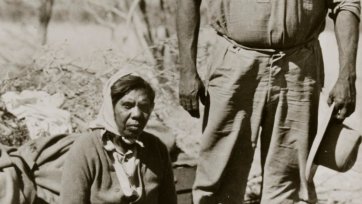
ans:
(131, 113)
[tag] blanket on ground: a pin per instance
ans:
(32, 173)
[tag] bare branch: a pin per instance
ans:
(109, 8)
(131, 11)
(98, 18)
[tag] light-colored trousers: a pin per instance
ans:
(269, 93)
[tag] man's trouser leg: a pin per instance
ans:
(289, 125)
(232, 121)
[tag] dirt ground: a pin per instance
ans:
(88, 46)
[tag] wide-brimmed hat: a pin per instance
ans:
(335, 145)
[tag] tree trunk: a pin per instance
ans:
(45, 12)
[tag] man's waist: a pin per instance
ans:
(269, 49)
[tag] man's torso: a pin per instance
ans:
(273, 24)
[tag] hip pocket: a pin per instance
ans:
(215, 60)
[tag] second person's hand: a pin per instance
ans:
(191, 89)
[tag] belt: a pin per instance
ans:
(270, 51)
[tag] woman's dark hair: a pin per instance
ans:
(128, 83)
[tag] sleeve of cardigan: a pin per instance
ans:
(167, 186)
(76, 178)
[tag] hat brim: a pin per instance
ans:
(335, 145)
(323, 121)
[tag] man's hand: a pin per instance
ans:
(191, 89)
(343, 95)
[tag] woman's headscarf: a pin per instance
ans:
(105, 118)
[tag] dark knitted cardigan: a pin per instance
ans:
(89, 176)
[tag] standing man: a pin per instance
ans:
(266, 73)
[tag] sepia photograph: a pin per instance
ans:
(180, 102)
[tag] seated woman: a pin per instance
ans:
(118, 162)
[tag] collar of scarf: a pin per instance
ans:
(111, 146)
(126, 165)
